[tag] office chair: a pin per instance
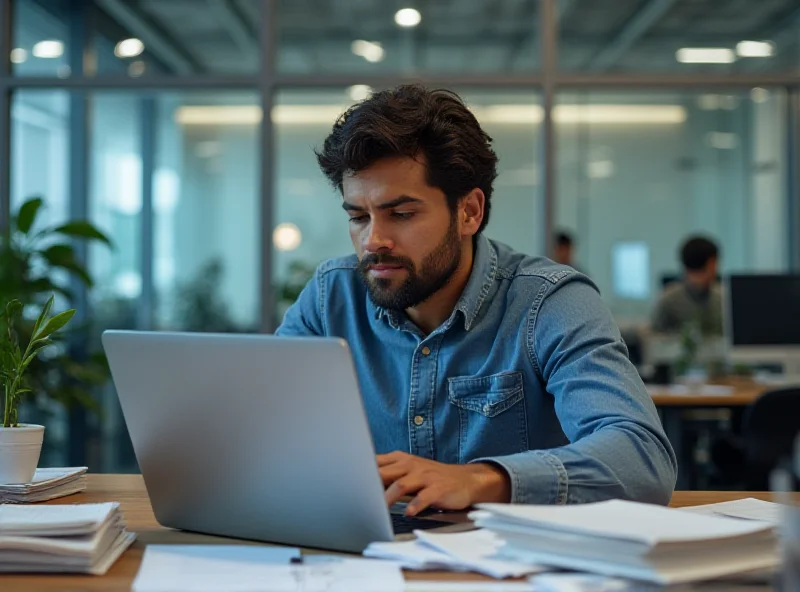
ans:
(769, 427)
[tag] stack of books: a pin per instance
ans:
(47, 484)
(72, 538)
(631, 540)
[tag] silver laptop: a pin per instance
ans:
(253, 436)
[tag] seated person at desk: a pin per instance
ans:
(564, 250)
(695, 299)
(487, 375)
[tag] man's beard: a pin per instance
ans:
(437, 268)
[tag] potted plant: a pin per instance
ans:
(21, 444)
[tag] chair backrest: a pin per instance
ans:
(769, 427)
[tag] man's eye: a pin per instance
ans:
(358, 219)
(403, 215)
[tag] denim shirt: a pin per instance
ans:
(528, 372)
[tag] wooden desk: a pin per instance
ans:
(130, 492)
(744, 392)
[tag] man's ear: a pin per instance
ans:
(471, 211)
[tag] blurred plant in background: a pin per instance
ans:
(35, 263)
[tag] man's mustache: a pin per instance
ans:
(384, 259)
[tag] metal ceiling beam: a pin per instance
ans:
(634, 29)
(153, 38)
(234, 22)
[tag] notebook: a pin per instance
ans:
(47, 484)
(74, 538)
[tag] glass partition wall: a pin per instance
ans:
(187, 135)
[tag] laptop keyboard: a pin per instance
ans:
(404, 524)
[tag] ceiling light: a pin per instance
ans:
(129, 48)
(136, 69)
(48, 49)
(407, 17)
(514, 114)
(755, 49)
(759, 95)
(286, 237)
(18, 55)
(359, 92)
(705, 55)
(372, 51)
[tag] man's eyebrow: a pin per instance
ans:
(398, 201)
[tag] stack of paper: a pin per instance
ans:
(474, 550)
(47, 484)
(257, 568)
(748, 508)
(632, 540)
(78, 538)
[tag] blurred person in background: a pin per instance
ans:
(486, 375)
(697, 298)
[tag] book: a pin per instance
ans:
(71, 538)
(47, 484)
(631, 540)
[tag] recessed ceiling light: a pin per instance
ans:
(48, 49)
(18, 55)
(705, 55)
(407, 17)
(755, 49)
(359, 92)
(372, 51)
(286, 237)
(136, 69)
(129, 48)
(759, 95)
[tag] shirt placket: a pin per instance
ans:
(420, 403)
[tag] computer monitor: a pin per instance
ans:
(762, 319)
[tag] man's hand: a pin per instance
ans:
(447, 487)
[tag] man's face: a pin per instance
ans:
(407, 240)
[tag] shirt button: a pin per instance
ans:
(426, 351)
(419, 420)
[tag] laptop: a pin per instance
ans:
(255, 436)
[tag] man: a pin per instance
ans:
(564, 250)
(487, 376)
(698, 298)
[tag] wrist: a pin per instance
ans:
(493, 485)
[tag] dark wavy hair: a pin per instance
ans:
(697, 251)
(413, 121)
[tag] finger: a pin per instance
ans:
(408, 485)
(391, 473)
(391, 457)
(424, 499)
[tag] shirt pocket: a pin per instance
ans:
(491, 414)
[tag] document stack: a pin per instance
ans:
(631, 540)
(47, 484)
(73, 538)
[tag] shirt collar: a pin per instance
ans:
(482, 276)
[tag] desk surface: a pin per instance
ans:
(129, 490)
(743, 393)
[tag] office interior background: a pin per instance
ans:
(146, 118)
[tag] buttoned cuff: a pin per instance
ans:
(537, 477)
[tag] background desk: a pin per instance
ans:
(129, 490)
(671, 408)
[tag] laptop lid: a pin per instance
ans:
(253, 436)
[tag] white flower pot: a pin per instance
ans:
(20, 448)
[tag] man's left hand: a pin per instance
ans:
(447, 487)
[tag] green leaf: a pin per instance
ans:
(59, 252)
(76, 269)
(83, 229)
(56, 323)
(27, 214)
(43, 315)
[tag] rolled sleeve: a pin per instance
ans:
(537, 477)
